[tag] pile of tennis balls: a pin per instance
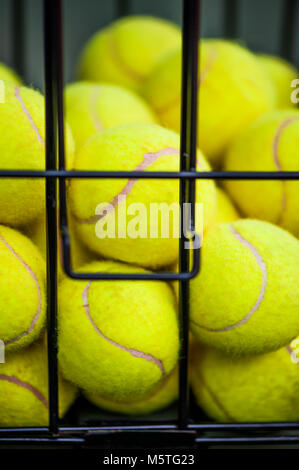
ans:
(118, 341)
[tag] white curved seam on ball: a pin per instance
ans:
(202, 77)
(29, 117)
(148, 159)
(28, 386)
(133, 352)
(37, 315)
(263, 268)
(283, 125)
(93, 108)
(120, 62)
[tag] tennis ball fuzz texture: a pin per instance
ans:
(251, 389)
(126, 225)
(117, 339)
(125, 52)
(24, 388)
(226, 211)
(22, 147)
(22, 290)
(233, 91)
(93, 107)
(9, 75)
(246, 297)
(80, 254)
(161, 397)
(270, 144)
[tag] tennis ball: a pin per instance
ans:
(246, 298)
(249, 389)
(234, 90)
(22, 290)
(24, 388)
(226, 211)
(128, 224)
(93, 107)
(125, 52)
(117, 339)
(163, 395)
(7, 74)
(282, 74)
(80, 254)
(22, 147)
(270, 144)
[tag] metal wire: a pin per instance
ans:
(182, 175)
(122, 8)
(52, 14)
(230, 17)
(187, 187)
(18, 36)
(288, 30)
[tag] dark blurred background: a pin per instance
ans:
(260, 27)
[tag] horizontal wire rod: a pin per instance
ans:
(206, 175)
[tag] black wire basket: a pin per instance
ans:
(180, 427)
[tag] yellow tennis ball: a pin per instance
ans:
(226, 211)
(233, 91)
(22, 290)
(161, 397)
(7, 74)
(282, 74)
(80, 254)
(128, 219)
(22, 147)
(117, 339)
(93, 107)
(24, 388)
(126, 52)
(270, 144)
(249, 389)
(246, 298)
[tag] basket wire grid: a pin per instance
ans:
(182, 430)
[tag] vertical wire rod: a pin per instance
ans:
(191, 20)
(52, 16)
(18, 36)
(61, 140)
(288, 30)
(230, 18)
(122, 8)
